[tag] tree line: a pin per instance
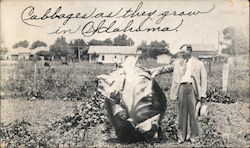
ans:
(78, 48)
(235, 40)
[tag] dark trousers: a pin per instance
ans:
(188, 123)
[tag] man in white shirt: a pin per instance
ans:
(189, 85)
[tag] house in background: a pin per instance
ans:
(23, 53)
(3, 54)
(221, 58)
(18, 54)
(204, 52)
(111, 54)
(163, 59)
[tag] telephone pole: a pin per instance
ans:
(78, 49)
(218, 44)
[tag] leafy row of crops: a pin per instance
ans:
(77, 82)
(70, 130)
(58, 82)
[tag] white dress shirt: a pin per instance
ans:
(187, 75)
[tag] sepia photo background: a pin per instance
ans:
(48, 75)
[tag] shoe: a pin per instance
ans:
(194, 140)
(180, 141)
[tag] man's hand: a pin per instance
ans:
(155, 73)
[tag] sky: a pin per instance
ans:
(201, 28)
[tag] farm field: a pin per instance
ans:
(59, 106)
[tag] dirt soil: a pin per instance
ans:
(231, 122)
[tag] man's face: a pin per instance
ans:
(185, 53)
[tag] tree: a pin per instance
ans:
(61, 48)
(95, 55)
(3, 49)
(237, 42)
(144, 48)
(95, 42)
(38, 44)
(23, 44)
(108, 42)
(121, 40)
(154, 49)
(78, 44)
(45, 54)
(157, 48)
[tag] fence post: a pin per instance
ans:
(225, 72)
(209, 68)
(35, 74)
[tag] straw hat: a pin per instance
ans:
(201, 110)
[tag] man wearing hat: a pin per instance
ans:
(189, 85)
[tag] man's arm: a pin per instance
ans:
(167, 69)
(163, 69)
